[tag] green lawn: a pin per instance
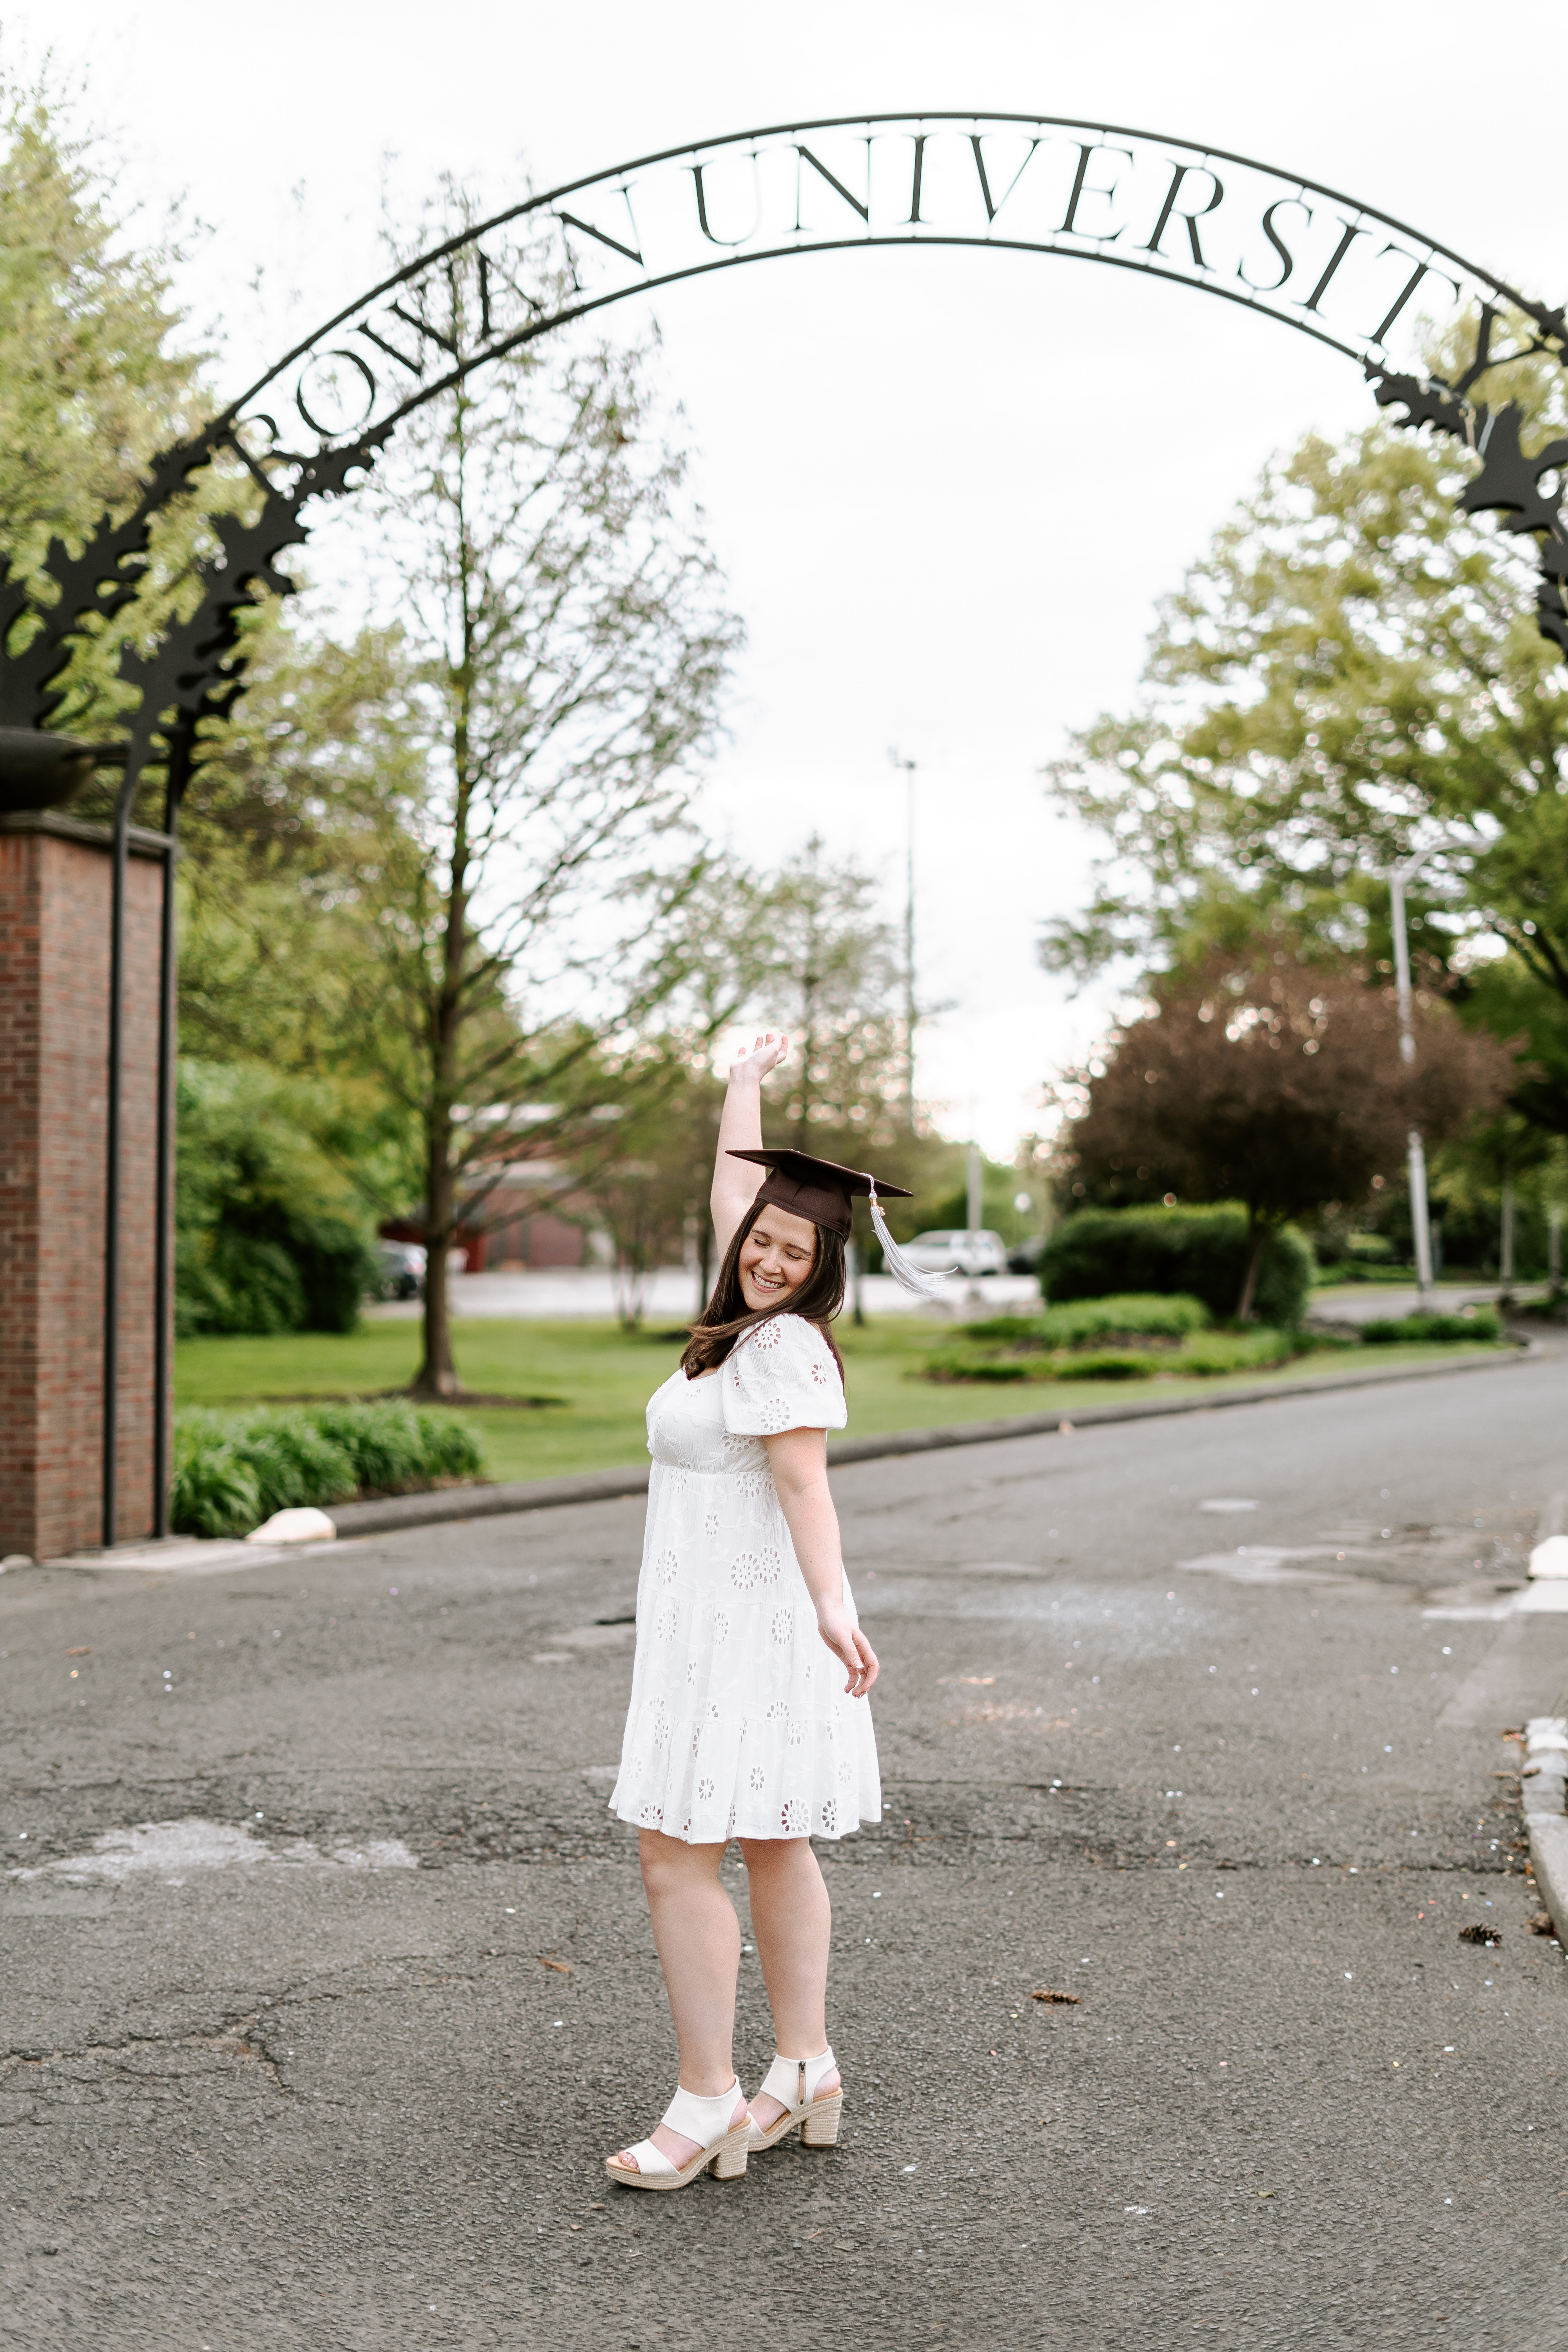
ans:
(604, 1380)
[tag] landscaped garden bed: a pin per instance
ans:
(604, 1376)
(233, 1470)
(1139, 1337)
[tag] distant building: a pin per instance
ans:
(512, 1231)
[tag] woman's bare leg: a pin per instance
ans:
(794, 1923)
(699, 1940)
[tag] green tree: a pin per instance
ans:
(569, 640)
(651, 1189)
(1351, 666)
(93, 382)
(825, 967)
(1275, 1083)
(801, 949)
(96, 377)
(300, 807)
(301, 801)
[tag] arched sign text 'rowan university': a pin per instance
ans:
(1355, 280)
(1236, 229)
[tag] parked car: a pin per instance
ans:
(402, 1267)
(1024, 1258)
(976, 1253)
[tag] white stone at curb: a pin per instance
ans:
(296, 1526)
(1549, 1557)
(1545, 1771)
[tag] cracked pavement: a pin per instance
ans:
(327, 1984)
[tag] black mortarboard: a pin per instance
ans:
(818, 1188)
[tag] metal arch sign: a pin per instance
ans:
(1352, 277)
(1355, 280)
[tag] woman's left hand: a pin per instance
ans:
(849, 1645)
(769, 1050)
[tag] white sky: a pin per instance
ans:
(947, 486)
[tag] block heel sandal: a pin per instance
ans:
(721, 2147)
(792, 2082)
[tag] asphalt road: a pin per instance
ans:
(337, 2069)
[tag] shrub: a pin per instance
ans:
(384, 1440)
(1388, 1330)
(213, 1492)
(453, 1449)
(1202, 1354)
(1197, 1253)
(1135, 1315)
(1215, 1352)
(1111, 1364)
(1081, 1364)
(1087, 1319)
(235, 1281)
(268, 1237)
(231, 1471)
(293, 1462)
(953, 1364)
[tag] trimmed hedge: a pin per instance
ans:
(1197, 1253)
(232, 1470)
(1199, 1355)
(1388, 1330)
(1133, 1317)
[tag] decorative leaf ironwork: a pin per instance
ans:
(1426, 400)
(1509, 482)
(196, 670)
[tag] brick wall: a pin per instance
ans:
(54, 1040)
(539, 1240)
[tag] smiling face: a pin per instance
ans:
(776, 1256)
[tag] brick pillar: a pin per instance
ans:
(55, 884)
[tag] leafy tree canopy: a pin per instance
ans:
(93, 380)
(1350, 672)
(1275, 1084)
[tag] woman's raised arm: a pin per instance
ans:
(736, 1182)
(798, 1460)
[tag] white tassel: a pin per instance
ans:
(924, 1285)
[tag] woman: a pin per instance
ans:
(738, 1725)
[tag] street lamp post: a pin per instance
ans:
(1416, 1149)
(1420, 1219)
(908, 768)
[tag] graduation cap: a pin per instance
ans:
(825, 1193)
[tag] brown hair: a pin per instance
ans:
(727, 1317)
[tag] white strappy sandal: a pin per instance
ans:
(792, 2082)
(722, 2148)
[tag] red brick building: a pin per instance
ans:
(513, 1232)
(55, 877)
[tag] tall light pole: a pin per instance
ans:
(1420, 1220)
(908, 768)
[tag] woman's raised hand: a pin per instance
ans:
(769, 1050)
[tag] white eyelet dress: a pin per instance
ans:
(739, 1725)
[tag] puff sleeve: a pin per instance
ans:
(781, 1376)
